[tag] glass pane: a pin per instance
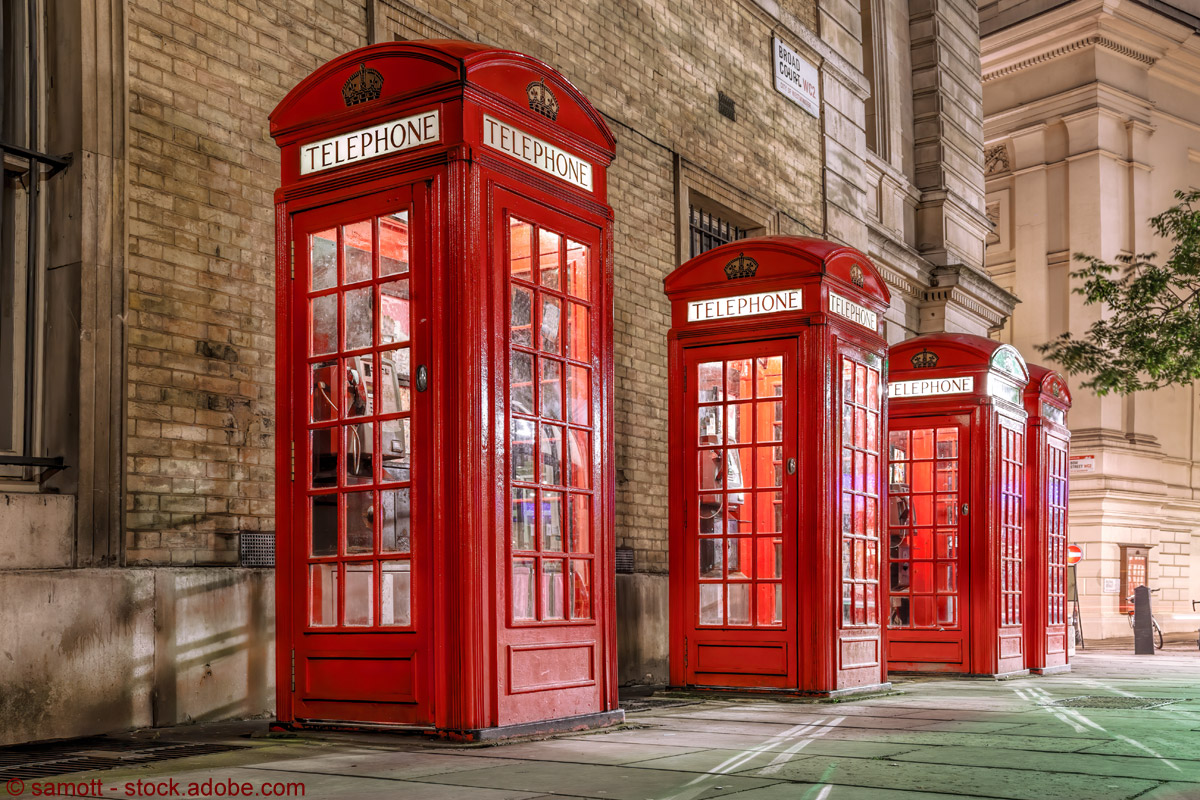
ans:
(552, 522)
(922, 577)
(324, 457)
(947, 511)
(393, 312)
(947, 443)
(359, 446)
(579, 387)
(947, 544)
(360, 528)
(358, 386)
(551, 388)
(769, 512)
(922, 509)
(923, 615)
(521, 316)
(946, 578)
(900, 574)
(579, 457)
(711, 472)
(324, 261)
(769, 421)
(873, 431)
(711, 520)
(709, 424)
(325, 525)
(524, 582)
(324, 397)
(739, 519)
(550, 339)
(739, 557)
(711, 558)
(522, 444)
(395, 381)
(393, 243)
(770, 376)
(738, 377)
(899, 617)
(922, 444)
(847, 605)
(357, 248)
(873, 389)
(860, 384)
(324, 325)
(708, 385)
(577, 269)
(550, 259)
(769, 467)
(580, 539)
(847, 380)
(738, 426)
(739, 603)
(580, 589)
(395, 593)
(553, 589)
(578, 333)
(769, 558)
(359, 318)
(712, 604)
(947, 476)
(360, 580)
(520, 382)
(323, 590)
(946, 610)
(520, 249)
(522, 529)
(920, 543)
(395, 533)
(396, 449)
(922, 473)
(898, 445)
(551, 450)
(739, 468)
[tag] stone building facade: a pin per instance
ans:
(1092, 120)
(152, 320)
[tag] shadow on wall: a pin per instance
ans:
(95, 650)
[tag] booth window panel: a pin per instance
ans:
(359, 466)
(1012, 500)
(550, 397)
(923, 501)
(739, 500)
(1056, 534)
(1135, 563)
(860, 436)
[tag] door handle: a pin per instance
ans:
(422, 378)
(791, 466)
(965, 508)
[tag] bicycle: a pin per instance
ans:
(1158, 634)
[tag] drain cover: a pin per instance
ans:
(1107, 701)
(85, 755)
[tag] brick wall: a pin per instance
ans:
(202, 79)
(202, 169)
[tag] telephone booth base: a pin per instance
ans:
(549, 727)
(1058, 670)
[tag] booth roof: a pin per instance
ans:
(778, 257)
(1043, 380)
(963, 350)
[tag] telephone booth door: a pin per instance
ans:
(741, 515)
(362, 453)
(928, 552)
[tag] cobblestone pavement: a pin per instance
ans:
(1118, 726)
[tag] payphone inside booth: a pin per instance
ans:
(776, 430)
(444, 396)
(956, 561)
(1047, 401)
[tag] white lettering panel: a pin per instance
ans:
(853, 311)
(797, 79)
(377, 140)
(745, 305)
(931, 386)
(536, 153)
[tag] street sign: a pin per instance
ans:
(1074, 554)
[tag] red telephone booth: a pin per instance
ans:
(1047, 401)
(445, 485)
(776, 428)
(956, 506)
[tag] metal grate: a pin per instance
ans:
(256, 549)
(624, 560)
(726, 106)
(1105, 701)
(86, 755)
(709, 231)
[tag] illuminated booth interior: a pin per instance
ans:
(776, 430)
(1047, 401)
(957, 595)
(445, 484)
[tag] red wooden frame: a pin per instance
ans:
(812, 652)
(993, 450)
(1047, 401)
(468, 670)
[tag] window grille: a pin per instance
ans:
(23, 233)
(709, 231)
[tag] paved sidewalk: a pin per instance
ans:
(934, 739)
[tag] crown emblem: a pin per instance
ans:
(364, 85)
(741, 267)
(1055, 389)
(857, 276)
(542, 100)
(925, 359)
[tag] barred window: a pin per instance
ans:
(709, 230)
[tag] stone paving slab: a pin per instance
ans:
(387, 764)
(802, 791)
(583, 750)
(614, 783)
(1141, 766)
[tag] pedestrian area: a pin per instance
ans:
(1118, 726)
